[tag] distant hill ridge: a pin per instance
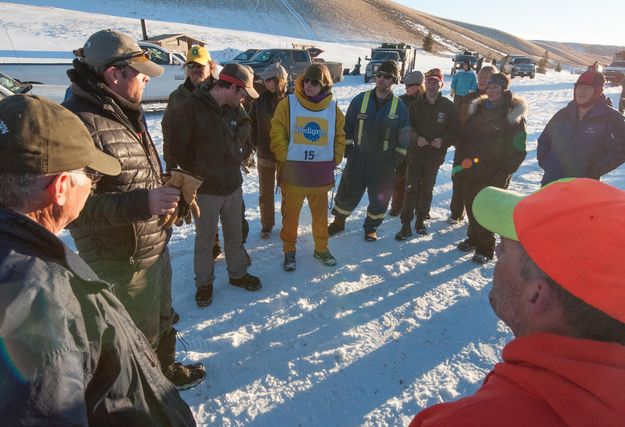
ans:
(365, 21)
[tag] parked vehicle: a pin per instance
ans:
(10, 86)
(518, 65)
(401, 53)
(55, 74)
(461, 58)
(241, 57)
(295, 61)
(616, 70)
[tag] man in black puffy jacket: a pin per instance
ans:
(71, 355)
(118, 233)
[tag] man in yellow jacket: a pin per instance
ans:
(308, 141)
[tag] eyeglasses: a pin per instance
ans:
(94, 176)
(385, 76)
(312, 82)
(195, 65)
(411, 85)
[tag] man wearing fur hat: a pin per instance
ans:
(491, 150)
(558, 284)
(435, 122)
(119, 232)
(584, 139)
(377, 132)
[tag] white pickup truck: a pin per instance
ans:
(158, 89)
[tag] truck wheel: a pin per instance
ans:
(532, 75)
(511, 75)
(367, 79)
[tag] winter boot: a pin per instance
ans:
(185, 376)
(420, 228)
(289, 261)
(247, 282)
(371, 236)
(326, 258)
(204, 295)
(466, 245)
(337, 225)
(404, 233)
(265, 233)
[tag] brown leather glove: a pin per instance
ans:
(187, 208)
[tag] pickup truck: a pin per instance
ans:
(615, 72)
(403, 54)
(158, 89)
(295, 61)
(518, 65)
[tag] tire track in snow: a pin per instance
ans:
(307, 28)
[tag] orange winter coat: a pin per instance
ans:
(545, 380)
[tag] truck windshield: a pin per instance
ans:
(462, 58)
(385, 56)
(13, 85)
(521, 61)
(263, 56)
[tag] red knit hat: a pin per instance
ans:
(594, 79)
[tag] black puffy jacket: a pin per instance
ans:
(115, 223)
(71, 353)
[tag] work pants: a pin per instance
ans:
(214, 208)
(291, 207)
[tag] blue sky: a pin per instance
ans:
(601, 22)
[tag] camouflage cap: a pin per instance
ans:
(39, 136)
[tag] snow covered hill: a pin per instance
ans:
(365, 22)
(393, 328)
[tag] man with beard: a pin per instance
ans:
(119, 233)
(558, 285)
(377, 133)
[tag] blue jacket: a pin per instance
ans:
(464, 82)
(377, 128)
(589, 148)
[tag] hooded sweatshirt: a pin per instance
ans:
(544, 380)
(305, 176)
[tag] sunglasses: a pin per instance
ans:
(140, 56)
(94, 176)
(312, 82)
(195, 65)
(384, 76)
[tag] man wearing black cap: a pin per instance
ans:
(206, 145)
(71, 353)
(584, 139)
(119, 233)
(377, 135)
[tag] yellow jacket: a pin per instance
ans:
(280, 128)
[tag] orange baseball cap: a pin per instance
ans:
(573, 229)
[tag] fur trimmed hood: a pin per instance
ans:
(517, 106)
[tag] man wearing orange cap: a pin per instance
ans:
(562, 294)
(584, 139)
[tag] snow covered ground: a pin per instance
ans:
(393, 328)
